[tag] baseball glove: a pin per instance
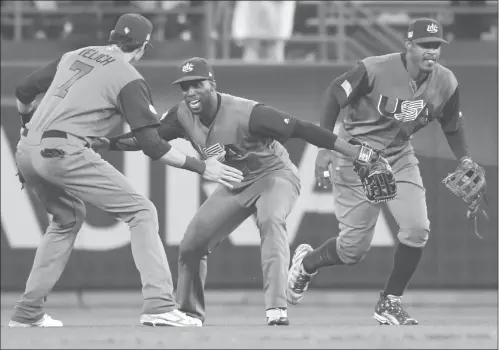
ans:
(375, 174)
(468, 183)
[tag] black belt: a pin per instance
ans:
(49, 133)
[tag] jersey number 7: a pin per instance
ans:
(81, 69)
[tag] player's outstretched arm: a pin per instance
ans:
(211, 169)
(269, 122)
(374, 171)
(123, 142)
(157, 149)
(169, 129)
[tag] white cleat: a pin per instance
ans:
(174, 318)
(45, 321)
(277, 317)
(298, 279)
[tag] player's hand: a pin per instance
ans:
(322, 162)
(100, 144)
(221, 173)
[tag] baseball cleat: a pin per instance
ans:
(277, 317)
(389, 311)
(298, 279)
(174, 318)
(45, 321)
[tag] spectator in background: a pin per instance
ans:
(173, 24)
(84, 25)
(166, 25)
(46, 5)
(262, 28)
(146, 5)
(150, 6)
(6, 25)
(195, 22)
(44, 26)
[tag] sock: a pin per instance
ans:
(325, 255)
(405, 261)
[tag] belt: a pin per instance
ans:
(52, 134)
(49, 133)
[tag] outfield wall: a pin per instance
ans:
(102, 259)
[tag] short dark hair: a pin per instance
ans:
(124, 42)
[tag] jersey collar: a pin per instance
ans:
(208, 123)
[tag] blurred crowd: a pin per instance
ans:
(56, 20)
(260, 30)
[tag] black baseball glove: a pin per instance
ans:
(468, 183)
(375, 174)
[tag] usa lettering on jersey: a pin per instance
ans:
(404, 111)
(410, 110)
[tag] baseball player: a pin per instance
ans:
(251, 134)
(89, 92)
(390, 97)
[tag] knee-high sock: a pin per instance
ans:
(325, 255)
(405, 262)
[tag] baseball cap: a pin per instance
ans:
(134, 26)
(425, 30)
(195, 68)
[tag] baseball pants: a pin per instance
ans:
(272, 198)
(63, 184)
(357, 217)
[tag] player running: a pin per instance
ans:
(390, 98)
(251, 134)
(89, 92)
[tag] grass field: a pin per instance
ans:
(236, 319)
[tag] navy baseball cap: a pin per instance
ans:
(134, 26)
(425, 30)
(195, 68)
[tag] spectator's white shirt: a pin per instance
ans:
(263, 19)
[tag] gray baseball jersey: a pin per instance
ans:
(91, 89)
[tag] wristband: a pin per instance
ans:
(194, 165)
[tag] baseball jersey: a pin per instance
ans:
(88, 92)
(249, 132)
(386, 107)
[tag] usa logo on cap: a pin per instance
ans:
(433, 28)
